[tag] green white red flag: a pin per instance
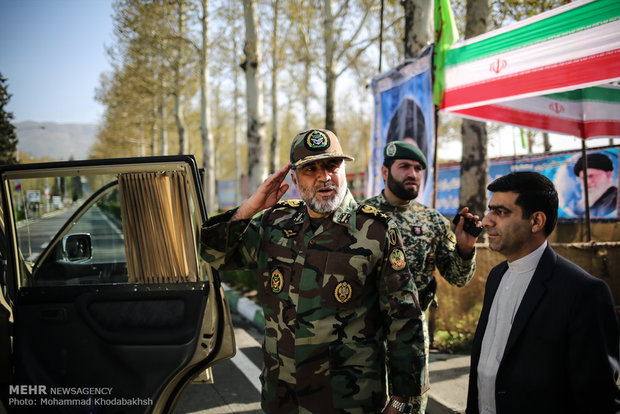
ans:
(521, 74)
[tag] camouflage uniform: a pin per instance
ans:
(338, 301)
(428, 243)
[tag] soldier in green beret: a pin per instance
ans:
(429, 242)
(343, 325)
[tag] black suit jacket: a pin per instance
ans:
(562, 351)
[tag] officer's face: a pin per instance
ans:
(509, 233)
(322, 185)
(403, 178)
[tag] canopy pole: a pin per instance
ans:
(435, 172)
(584, 160)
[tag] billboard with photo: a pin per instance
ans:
(564, 169)
(403, 111)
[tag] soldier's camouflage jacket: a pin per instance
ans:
(338, 302)
(428, 243)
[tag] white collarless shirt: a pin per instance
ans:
(501, 316)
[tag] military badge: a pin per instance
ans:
(397, 259)
(289, 233)
(431, 259)
(343, 292)
(277, 281)
(317, 140)
(290, 203)
(390, 151)
(417, 230)
(299, 217)
(370, 209)
(393, 237)
(344, 218)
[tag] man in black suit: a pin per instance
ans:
(547, 340)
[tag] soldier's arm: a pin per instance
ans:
(230, 243)
(405, 337)
(451, 263)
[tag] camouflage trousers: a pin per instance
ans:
(419, 403)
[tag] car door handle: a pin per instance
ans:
(53, 314)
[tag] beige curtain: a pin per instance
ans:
(160, 242)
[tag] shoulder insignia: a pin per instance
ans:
(397, 259)
(373, 211)
(393, 237)
(289, 203)
(344, 218)
(299, 217)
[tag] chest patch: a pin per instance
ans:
(417, 230)
(277, 281)
(343, 292)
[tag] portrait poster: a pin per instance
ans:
(404, 110)
(564, 169)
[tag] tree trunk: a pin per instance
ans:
(208, 150)
(163, 139)
(546, 142)
(275, 136)
(236, 140)
(474, 165)
(330, 70)
(418, 26)
(178, 84)
(257, 166)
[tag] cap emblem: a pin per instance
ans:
(390, 151)
(316, 140)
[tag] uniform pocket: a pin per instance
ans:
(344, 279)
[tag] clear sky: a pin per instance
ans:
(52, 53)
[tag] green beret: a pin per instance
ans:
(403, 150)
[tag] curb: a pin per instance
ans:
(245, 307)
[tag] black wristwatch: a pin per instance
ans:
(401, 406)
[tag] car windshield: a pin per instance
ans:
(105, 228)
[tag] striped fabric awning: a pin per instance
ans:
(548, 72)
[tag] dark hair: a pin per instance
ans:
(536, 193)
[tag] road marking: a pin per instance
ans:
(245, 364)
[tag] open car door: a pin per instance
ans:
(107, 301)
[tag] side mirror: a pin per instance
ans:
(77, 247)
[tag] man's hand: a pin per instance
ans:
(265, 196)
(464, 241)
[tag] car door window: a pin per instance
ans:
(107, 229)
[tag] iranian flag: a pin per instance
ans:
(549, 72)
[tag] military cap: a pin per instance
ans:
(598, 161)
(315, 144)
(403, 150)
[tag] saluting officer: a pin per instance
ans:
(428, 241)
(341, 308)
